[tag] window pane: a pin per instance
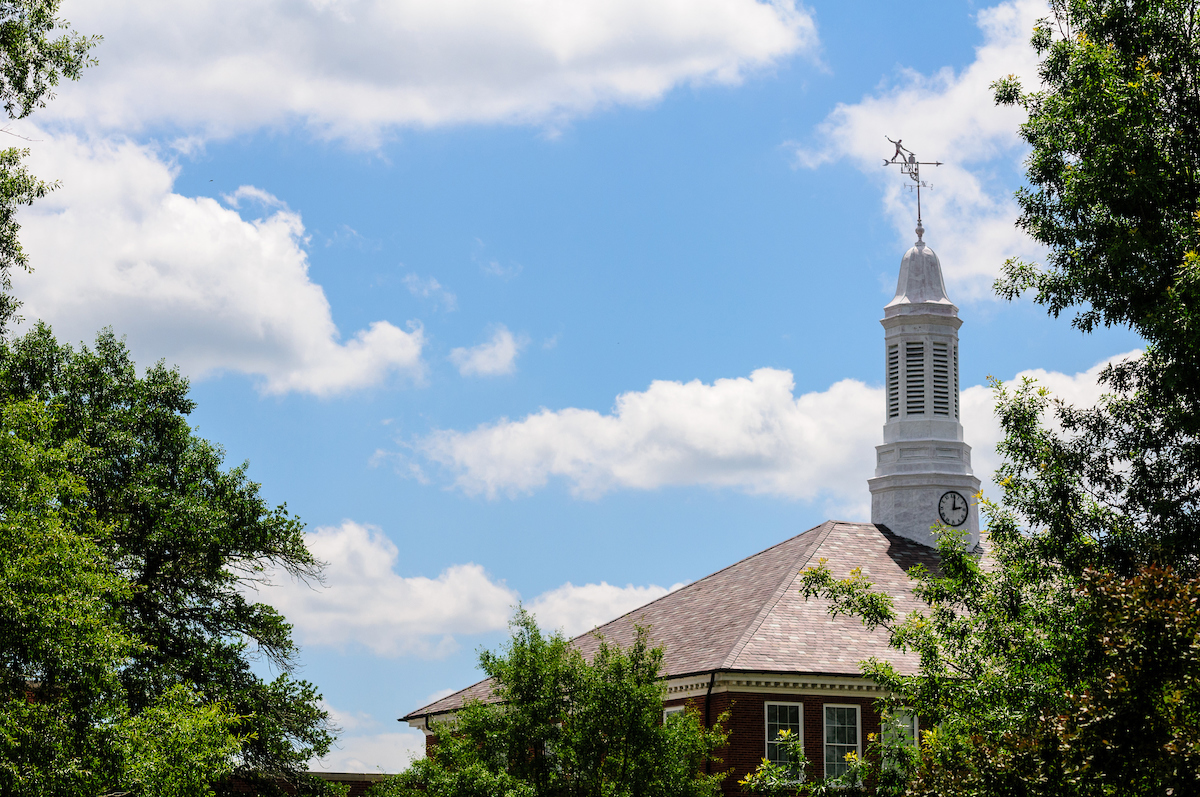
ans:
(901, 727)
(841, 737)
(781, 717)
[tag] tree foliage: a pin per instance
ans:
(37, 50)
(1064, 662)
(1114, 195)
(794, 777)
(564, 726)
(65, 727)
(155, 543)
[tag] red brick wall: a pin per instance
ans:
(747, 728)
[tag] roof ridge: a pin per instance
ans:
(698, 581)
(769, 605)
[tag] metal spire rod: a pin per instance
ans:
(908, 163)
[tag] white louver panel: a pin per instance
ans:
(893, 381)
(914, 378)
(941, 379)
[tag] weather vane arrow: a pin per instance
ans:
(906, 159)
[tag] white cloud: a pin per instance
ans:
(981, 427)
(431, 288)
(350, 68)
(949, 116)
(349, 721)
(750, 434)
(435, 696)
(574, 610)
(379, 752)
(254, 194)
(496, 357)
(365, 601)
(189, 280)
(494, 268)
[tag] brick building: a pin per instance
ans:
(745, 640)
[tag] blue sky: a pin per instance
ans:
(566, 303)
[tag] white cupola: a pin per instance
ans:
(923, 469)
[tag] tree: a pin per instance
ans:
(564, 726)
(1065, 662)
(129, 661)
(37, 50)
(151, 503)
(65, 727)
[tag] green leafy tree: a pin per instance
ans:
(37, 50)
(1064, 663)
(65, 725)
(184, 536)
(565, 726)
(1114, 195)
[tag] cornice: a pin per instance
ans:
(694, 686)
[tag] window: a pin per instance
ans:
(669, 710)
(782, 717)
(841, 737)
(893, 381)
(914, 378)
(898, 727)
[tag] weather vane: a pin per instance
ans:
(907, 160)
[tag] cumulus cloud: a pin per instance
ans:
(350, 68)
(949, 116)
(188, 279)
(574, 610)
(495, 357)
(981, 427)
(749, 434)
(376, 752)
(365, 601)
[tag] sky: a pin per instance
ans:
(530, 301)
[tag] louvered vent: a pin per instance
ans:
(954, 357)
(893, 381)
(941, 379)
(914, 378)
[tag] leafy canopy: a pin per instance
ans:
(561, 725)
(37, 50)
(162, 542)
(1064, 661)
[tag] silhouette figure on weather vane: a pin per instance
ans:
(907, 160)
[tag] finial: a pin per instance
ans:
(920, 233)
(909, 165)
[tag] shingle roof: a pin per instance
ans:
(751, 616)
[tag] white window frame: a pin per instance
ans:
(825, 732)
(767, 740)
(914, 724)
(890, 729)
(669, 710)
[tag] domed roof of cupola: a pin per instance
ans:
(920, 288)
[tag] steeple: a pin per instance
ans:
(923, 469)
(920, 281)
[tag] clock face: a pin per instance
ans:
(952, 508)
